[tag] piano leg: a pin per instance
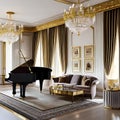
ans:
(22, 90)
(14, 88)
(41, 83)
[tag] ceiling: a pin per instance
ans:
(36, 12)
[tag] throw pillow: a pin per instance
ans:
(83, 80)
(87, 82)
(80, 80)
(69, 76)
(63, 79)
(74, 79)
(56, 79)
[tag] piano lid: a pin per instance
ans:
(27, 64)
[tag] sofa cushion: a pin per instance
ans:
(56, 79)
(87, 81)
(81, 87)
(83, 80)
(63, 79)
(75, 79)
(80, 80)
(69, 77)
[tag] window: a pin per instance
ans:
(56, 65)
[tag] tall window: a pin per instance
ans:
(52, 51)
(56, 65)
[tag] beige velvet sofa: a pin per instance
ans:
(84, 82)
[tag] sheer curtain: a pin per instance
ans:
(38, 50)
(56, 65)
(59, 62)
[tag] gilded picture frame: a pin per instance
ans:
(88, 65)
(76, 65)
(76, 52)
(88, 51)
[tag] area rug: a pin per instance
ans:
(36, 112)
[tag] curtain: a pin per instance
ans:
(111, 20)
(50, 48)
(52, 43)
(36, 40)
(62, 38)
(45, 48)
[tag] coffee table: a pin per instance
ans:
(60, 89)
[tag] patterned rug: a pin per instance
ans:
(34, 113)
(41, 105)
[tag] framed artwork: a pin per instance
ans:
(88, 65)
(88, 51)
(76, 52)
(76, 65)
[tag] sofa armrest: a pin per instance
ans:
(95, 82)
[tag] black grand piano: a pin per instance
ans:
(25, 74)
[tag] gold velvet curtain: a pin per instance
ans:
(62, 37)
(111, 22)
(52, 43)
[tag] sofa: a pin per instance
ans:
(85, 82)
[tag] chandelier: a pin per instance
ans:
(79, 18)
(9, 31)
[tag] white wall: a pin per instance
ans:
(26, 47)
(13, 54)
(88, 38)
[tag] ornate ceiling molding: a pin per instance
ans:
(105, 6)
(50, 24)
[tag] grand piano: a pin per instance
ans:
(25, 74)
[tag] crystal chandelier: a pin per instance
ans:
(9, 31)
(79, 18)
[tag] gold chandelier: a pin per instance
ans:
(79, 18)
(9, 31)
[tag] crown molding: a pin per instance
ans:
(104, 6)
(50, 24)
(108, 5)
(29, 29)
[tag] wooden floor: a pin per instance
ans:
(94, 113)
(7, 114)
